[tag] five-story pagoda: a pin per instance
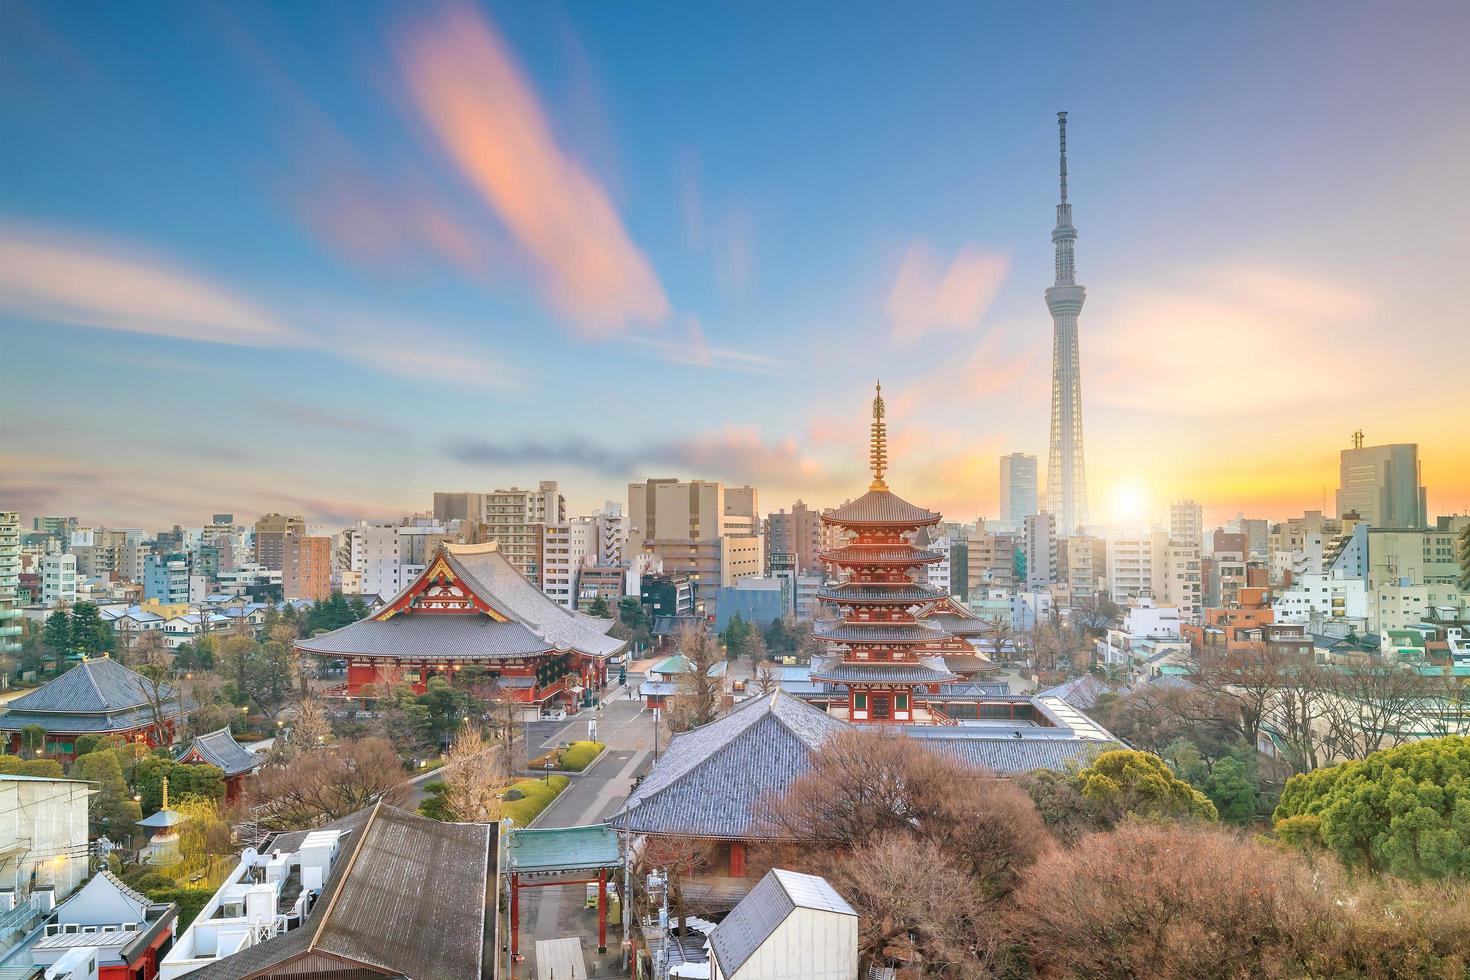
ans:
(882, 661)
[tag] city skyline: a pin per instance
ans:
(352, 297)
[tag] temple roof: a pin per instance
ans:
(532, 622)
(220, 749)
(912, 593)
(883, 673)
(713, 780)
(1010, 754)
(97, 695)
(842, 631)
(880, 554)
(877, 508)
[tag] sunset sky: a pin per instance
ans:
(330, 257)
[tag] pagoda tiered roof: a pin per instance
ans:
(880, 554)
(881, 508)
(865, 593)
(848, 631)
(922, 672)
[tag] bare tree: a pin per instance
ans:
(755, 648)
(699, 686)
(1247, 680)
(474, 772)
(766, 680)
(315, 787)
(153, 676)
(1373, 706)
(311, 729)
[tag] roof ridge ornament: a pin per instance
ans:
(878, 452)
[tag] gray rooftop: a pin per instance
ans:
(408, 899)
(844, 631)
(711, 781)
(97, 695)
(882, 673)
(220, 749)
(761, 913)
(880, 507)
(880, 554)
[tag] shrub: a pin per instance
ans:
(536, 795)
(189, 900)
(580, 755)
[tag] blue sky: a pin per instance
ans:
(332, 257)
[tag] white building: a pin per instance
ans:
(1397, 607)
(1149, 639)
(1181, 580)
(43, 836)
(1187, 523)
(940, 573)
(790, 927)
(1040, 543)
(106, 928)
(567, 548)
(1314, 598)
(1134, 561)
(58, 580)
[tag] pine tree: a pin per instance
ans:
(57, 635)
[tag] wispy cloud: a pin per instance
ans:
(690, 346)
(487, 118)
(733, 452)
(322, 417)
(928, 296)
(44, 278)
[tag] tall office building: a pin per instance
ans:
(794, 539)
(10, 616)
(1066, 473)
(1017, 487)
(1040, 537)
(1187, 522)
(270, 539)
(697, 528)
(1382, 483)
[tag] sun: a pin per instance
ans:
(1130, 503)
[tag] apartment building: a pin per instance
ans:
(1181, 581)
(270, 538)
(10, 614)
(1039, 535)
(699, 528)
(797, 533)
(1084, 560)
(306, 571)
(1187, 522)
(58, 580)
(992, 558)
(1136, 565)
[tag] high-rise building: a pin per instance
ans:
(9, 582)
(513, 518)
(270, 538)
(306, 571)
(1187, 522)
(1136, 565)
(992, 559)
(797, 534)
(1087, 565)
(1066, 473)
(1181, 581)
(697, 528)
(1040, 537)
(61, 527)
(58, 580)
(1017, 487)
(1382, 483)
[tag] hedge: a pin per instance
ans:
(190, 900)
(580, 755)
(536, 795)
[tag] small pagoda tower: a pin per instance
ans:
(163, 846)
(882, 661)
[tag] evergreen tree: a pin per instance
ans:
(89, 634)
(599, 608)
(359, 608)
(1232, 788)
(736, 637)
(57, 635)
(113, 811)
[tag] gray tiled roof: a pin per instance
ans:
(1080, 692)
(408, 900)
(428, 637)
(761, 913)
(97, 685)
(891, 673)
(881, 507)
(711, 781)
(844, 631)
(880, 554)
(862, 592)
(1013, 755)
(220, 749)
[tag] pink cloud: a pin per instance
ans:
(484, 113)
(928, 296)
(80, 283)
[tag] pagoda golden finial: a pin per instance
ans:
(165, 793)
(878, 453)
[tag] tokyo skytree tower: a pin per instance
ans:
(1066, 473)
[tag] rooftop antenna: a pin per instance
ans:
(1358, 439)
(1062, 125)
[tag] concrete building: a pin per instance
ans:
(43, 825)
(1187, 522)
(10, 614)
(992, 559)
(1317, 599)
(270, 538)
(1136, 565)
(306, 571)
(58, 580)
(1040, 543)
(166, 578)
(1181, 581)
(1085, 565)
(799, 534)
(1425, 556)
(566, 549)
(1018, 488)
(698, 528)
(1382, 484)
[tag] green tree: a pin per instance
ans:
(446, 708)
(113, 811)
(333, 613)
(57, 635)
(203, 781)
(736, 637)
(779, 640)
(359, 608)
(14, 765)
(89, 634)
(598, 607)
(1128, 782)
(239, 664)
(1404, 811)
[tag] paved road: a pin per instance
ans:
(552, 913)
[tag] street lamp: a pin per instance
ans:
(548, 768)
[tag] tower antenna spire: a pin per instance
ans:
(878, 451)
(1062, 126)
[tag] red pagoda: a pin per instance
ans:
(886, 655)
